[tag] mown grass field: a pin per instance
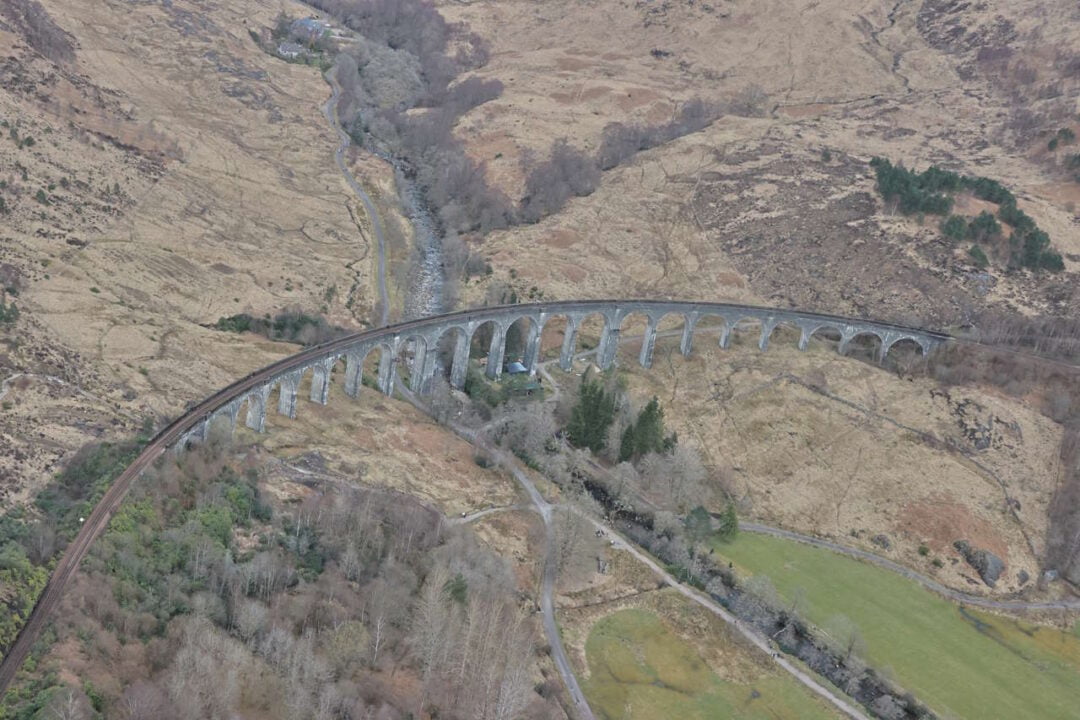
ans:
(640, 670)
(961, 662)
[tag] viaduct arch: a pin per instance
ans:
(424, 336)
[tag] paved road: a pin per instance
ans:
(547, 605)
(330, 111)
(547, 587)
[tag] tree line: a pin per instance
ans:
(930, 192)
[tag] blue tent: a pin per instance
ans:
(516, 368)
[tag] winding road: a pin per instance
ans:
(330, 111)
(547, 593)
(547, 589)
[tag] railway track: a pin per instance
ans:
(102, 513)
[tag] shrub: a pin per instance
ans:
(477, 387)
(567, 173)
(39, 30)
(978, 256)
(924, 550)
(619, 142)
(954, 228)
(292, 326)
(983, 226)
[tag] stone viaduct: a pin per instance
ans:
(421, 338)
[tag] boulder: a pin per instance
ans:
(987, 564)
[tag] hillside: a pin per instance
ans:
(775, 201)
(176, 211)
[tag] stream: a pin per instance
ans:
(427, 281)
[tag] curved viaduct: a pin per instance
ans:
(423, 336)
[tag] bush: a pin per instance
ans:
(8, 313)
(983, 227)
(292, 326)
(567, 173)
(619, 142)
(39, 30)
(955, 228)
(478, 388)
(978, 256)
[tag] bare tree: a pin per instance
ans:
(68, 704)
(144, 700)
(846, 636)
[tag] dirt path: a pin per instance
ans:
(465, 519)
(547, 605)
(330, 111)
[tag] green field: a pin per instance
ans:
(962, 663)
(639, 670)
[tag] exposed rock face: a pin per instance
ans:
(988, 565)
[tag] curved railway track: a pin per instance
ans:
(102, 513)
